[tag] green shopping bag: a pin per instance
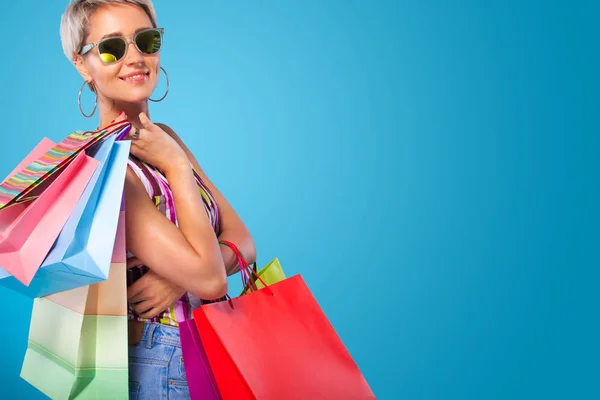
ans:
(78, 341)
(270, 274)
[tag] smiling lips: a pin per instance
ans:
(136, 77)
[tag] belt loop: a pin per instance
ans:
(150, 335)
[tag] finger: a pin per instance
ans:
(136, 288)
(142, 307)
(161, 306)
(151, 313)
(139, 142)
(138, 297)
(145, 121)
(133, 262)
(136, 149)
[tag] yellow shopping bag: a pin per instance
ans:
(270, 274)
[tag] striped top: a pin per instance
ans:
(158, 189)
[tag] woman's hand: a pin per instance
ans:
(153, 145)
(152, 294)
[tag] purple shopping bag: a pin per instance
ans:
(201, 381)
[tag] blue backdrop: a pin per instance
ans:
(429, 167)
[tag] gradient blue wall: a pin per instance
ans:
(430, 167)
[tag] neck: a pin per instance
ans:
(109, 111)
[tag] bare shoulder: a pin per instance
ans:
(134, 184)
(171, 132)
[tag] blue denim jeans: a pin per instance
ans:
(156, 365)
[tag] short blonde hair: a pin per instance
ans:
(73, 25)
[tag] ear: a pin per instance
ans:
(81, 68)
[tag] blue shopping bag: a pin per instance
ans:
(81, 255)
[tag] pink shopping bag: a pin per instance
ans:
(31, 177)
(201, 382)
(28, 229)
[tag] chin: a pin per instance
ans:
(134, 92)
(139, 97)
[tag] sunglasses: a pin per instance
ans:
(113, 49)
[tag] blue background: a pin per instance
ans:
(429, 167)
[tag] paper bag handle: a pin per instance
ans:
(245, 266)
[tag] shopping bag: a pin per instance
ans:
(270, 273)
(23, 181)
(276, 343)
(28, 229)
(201, 382)
(77, 346)
(81, 254)
(100, 153)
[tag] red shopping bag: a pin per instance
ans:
(276, 343)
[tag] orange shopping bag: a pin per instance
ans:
(29, 228)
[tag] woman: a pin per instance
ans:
(115, 46)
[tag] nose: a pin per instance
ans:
(133, 56)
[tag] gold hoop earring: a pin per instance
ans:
(167, 92)
(79, 101)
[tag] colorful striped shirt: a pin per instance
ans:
(158, 189)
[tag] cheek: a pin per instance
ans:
(103, 75)
(153, 63)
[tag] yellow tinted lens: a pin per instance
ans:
(108, 58)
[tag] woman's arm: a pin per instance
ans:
(188, 255)
(232, 226)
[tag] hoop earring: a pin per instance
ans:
(79, 102)
(167, 92)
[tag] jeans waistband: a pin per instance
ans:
(159, 333)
